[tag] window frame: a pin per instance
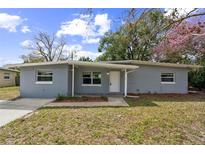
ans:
(44, 82)
(86, 77)
(92, 77)
(167, 82)
(9, 75)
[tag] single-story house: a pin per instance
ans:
(50, 79)
(8, 77)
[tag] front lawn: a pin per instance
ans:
(7, 93)
(150, 119)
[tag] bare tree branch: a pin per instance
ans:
(46, 47)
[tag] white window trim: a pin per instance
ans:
(174, 82)
(43, 82)
(92, 85)
(168, 82)
(9, 75)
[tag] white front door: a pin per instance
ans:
(114, 81)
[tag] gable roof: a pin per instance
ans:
(10, 70)
(79, 63)
(149, 63)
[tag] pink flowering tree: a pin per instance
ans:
(183, 43)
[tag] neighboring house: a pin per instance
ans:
(8, 77)
(50, 79)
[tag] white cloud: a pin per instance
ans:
(88, 29)
(25, 29)
(76, 27)
(80, 52)
(181, 12)
(83, 16)
(9, 22)
(103, 22)
(92, 55)
(26, 43)
(76, 47)
(91, 40)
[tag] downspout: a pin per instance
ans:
(126, 73)
(73, 80)
(125, 87)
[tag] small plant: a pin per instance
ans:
(60, 97)
(81, 98)
(104, 98)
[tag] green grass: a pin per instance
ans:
(7, 93)
(150, 119)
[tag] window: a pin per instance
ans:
(6, 76)
(91, 78)
(44, 76)
(96, 78)
(87, 78)
(167, 78)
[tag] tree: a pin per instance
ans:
(185, 43)
(197, 78)
(135, 39)
(32, 58)
(114, 46)
(46, 48)
(143, 29)
(88, 59)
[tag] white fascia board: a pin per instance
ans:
(79, 63)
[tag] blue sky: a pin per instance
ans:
(18, 26)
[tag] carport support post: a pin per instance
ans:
(73, 80)
(125, 86)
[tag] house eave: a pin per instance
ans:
(80, 63)
(10, 70)
(148, 63)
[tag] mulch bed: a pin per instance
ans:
(161, 94)
(82, 99)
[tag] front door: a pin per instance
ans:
(114, 81)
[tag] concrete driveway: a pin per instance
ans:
(11, 110)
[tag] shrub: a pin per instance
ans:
(197, 78)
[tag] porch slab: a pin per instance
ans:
(112, 101)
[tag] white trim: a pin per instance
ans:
(125, 87)
(168, 82)
(111, 84)
(139, 62)
(165, 82)
(44, 82)
(73, 77)
(80, 63)
(91, 77)
(91, 85)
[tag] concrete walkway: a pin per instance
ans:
(112, 101)
(11, 110)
